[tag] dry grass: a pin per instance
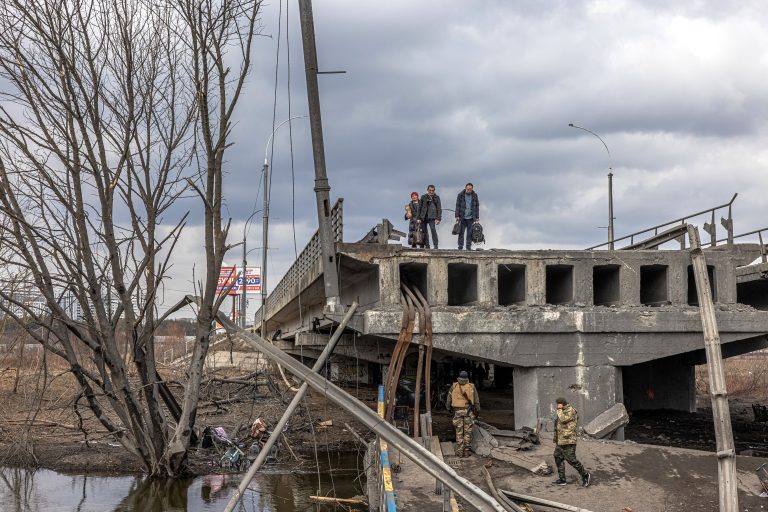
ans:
(745, 377)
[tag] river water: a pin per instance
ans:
(272, 490)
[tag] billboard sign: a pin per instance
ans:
(227, 278)
(252, 280)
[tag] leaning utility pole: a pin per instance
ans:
(726, 454)
(322, 188)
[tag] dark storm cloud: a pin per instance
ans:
(446, 92)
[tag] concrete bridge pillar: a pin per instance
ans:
(590, 389)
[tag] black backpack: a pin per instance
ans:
(477, 234)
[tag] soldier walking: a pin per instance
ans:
(566, 419)
(465, 403)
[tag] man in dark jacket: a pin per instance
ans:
(430, 213)
(467, 213)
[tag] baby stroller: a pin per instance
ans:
(234, 457)
(234, 454)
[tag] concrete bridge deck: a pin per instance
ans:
(600, 327)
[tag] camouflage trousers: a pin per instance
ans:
(567, 453)
(462, 423)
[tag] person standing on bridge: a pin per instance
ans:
(411, 215)
(430, 213)
(467, 213)
(566, 420)
(465, 403)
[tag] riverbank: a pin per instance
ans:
(40, 427)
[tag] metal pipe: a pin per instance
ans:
(423, 458)
(277, 431)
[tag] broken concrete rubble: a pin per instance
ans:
(482, 441)
(534, 464)
(607, 422)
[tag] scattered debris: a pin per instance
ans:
(325, 424)
(522, 439)
(482, 441)
(531, 463)
(357, 501)
(607, 422)
(761, 413)
(505, 502)
(762, 475)
(541, 501)
(258, 428)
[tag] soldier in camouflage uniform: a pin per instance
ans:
(465, 403)
(566, 419)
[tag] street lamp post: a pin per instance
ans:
(243, 299)
(610, 184)
(265, 226)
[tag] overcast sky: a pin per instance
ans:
(448, 91)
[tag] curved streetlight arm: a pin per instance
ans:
(245, 227)
(269, 140)
(599, 138)
(610, 183)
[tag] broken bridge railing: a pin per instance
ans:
(709, 227)
(307, 266)
(759, 233)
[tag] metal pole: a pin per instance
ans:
(425, 459)
(265, 226)
(277, 431)
(610, 183)
(322, 188)
(264, 242)
(726, 454)
(244, 287)
(610, 211)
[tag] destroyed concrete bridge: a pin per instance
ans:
(597, 326)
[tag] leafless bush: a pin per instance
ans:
(745, 376)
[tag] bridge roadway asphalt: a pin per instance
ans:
(644, 478)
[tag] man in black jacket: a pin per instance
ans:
(467, 213)
(430, 213)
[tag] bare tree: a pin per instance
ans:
(110, 112)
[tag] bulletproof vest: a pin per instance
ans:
(457, 399)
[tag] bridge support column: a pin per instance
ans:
(591, 390)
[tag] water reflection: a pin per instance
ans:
(44, 490)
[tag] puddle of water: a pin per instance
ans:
(41, 490)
